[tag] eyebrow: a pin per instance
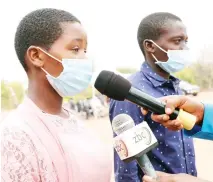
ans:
(180, 36)
(78, 40)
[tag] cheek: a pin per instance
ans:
(169, 46)
(73, 55)
(53, 67)
(57, 70)
(161, 56)
(173, 46)
(81, 55)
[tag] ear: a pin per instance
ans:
(35, 56)
(149, 46)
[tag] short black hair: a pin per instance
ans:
(150, 27)
(40, 28)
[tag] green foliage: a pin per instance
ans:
(187, 75)
(126, 70)
(8, 100)
(199, 73)
(5, 97)
(19, 90)
(83, 95)
(203, 73)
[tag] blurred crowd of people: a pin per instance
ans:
(91, 107)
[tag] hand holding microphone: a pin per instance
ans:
(181, 102)
(118, 88)
(165, 177)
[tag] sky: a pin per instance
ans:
(111, 26)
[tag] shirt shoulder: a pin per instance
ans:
(18, 156)
(23, 158)
(140, 81)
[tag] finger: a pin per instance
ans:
(162, 174)
(165, 119)
(148, 179)
(174, 102)
(178, 124)
(160, 118)
(144, 111)
(173, 124)
(162, 177)
(159, 174)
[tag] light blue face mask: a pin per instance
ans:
(74, 78)
(177, 60)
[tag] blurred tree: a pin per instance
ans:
(200, 73)
(187, 75)
(126, 70)
(203, 68)
(5, 96)
(12, 94)
(86, 94)
(18, 90)
(203, 73)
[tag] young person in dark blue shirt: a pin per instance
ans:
(162, 38)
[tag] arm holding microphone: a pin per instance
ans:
(203, 129)
(203, 112)
(164, 177)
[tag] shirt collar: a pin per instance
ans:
(156, 79)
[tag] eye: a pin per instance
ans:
(75, 49)
(177, 41)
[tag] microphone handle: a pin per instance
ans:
(142, 99)
(146, 166)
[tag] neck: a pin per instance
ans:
(157, 69)
(45, 97)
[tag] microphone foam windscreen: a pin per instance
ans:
(112, 85)
(121, 123)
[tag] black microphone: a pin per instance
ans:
(118, 88)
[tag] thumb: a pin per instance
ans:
(160, 177)
(162, 174)
(164, 177)
(172, 102)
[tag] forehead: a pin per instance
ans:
(71, 32)
(173, 29)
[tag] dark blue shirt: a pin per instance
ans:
(175, 152)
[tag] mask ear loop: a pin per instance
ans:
(51, 57)
(155, 59)
(157, 47)
(44, 71)
(49, 54)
